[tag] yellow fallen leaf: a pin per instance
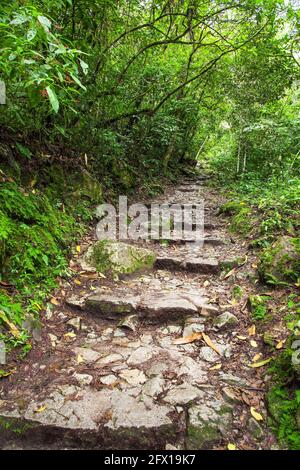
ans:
(280, 344)
(242, 337)
(216, 367)
(231, 447)
(76, 281)
(255, 414)
(13, 329)
(80, 359)
(261, 363)
(252, 330)
(253, 343)
(70, 335)
(210, 343)
(188, 339)
(41, 409)
(54, 301)
(78, 248)
(102, 275)
(256, 357)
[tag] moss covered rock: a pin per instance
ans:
(281, 262)
(118, 258)
(208, 423)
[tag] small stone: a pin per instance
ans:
(133, 376)
(140, 355)
(53, 339)
(83, 379)
(157, 368)
(193, 328)
(88, 355)
(130, 322)
(92, 335)
(225, 319)
(182, 394)
(146, 339)
(209, 355)
(119, 333)
(232, 379)
(255, 429)
(209, 310)
(110, 358)
(154, 386)
(42, 367)
(75, 301)
(108, 379)
(107, 332)
(75, 322)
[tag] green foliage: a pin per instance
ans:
(35, 235)
(259, 307)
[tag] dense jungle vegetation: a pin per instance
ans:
(114, 97)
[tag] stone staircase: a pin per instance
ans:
(151, 362)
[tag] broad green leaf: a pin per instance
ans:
(45, 22)
(53, 99)
(76, 80)
(84, 66)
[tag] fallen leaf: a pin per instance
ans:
(210, 343)
(230, 273)
(78, 248)
(69, 335)
(102, 275)
(54, 301)
(188, 339)
(280, 344)
(261, 363)
(216, 367)
(206, 284)
(231, 447)
(257, 357)
(253, 343)
(80, 359)
(242, 337)
(13, 329)
(41, 409)
(255, 414)
(252, 330)
(76, 281)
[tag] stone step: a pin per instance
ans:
(192, 239)
(90, 419)
(152, 307)
(194, 265)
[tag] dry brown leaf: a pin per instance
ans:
(188, 339)
(210, 343)
(54, 301)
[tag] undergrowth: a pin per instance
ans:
(36, 233)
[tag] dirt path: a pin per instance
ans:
(89, 383)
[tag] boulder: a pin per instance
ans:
(118, 258)
(281, 262)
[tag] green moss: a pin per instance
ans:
(232, 207)
(237, 292)
(280, 262)
(117, 258)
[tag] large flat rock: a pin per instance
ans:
(154, 307)
(108, 419)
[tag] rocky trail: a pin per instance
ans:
(162, 360)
